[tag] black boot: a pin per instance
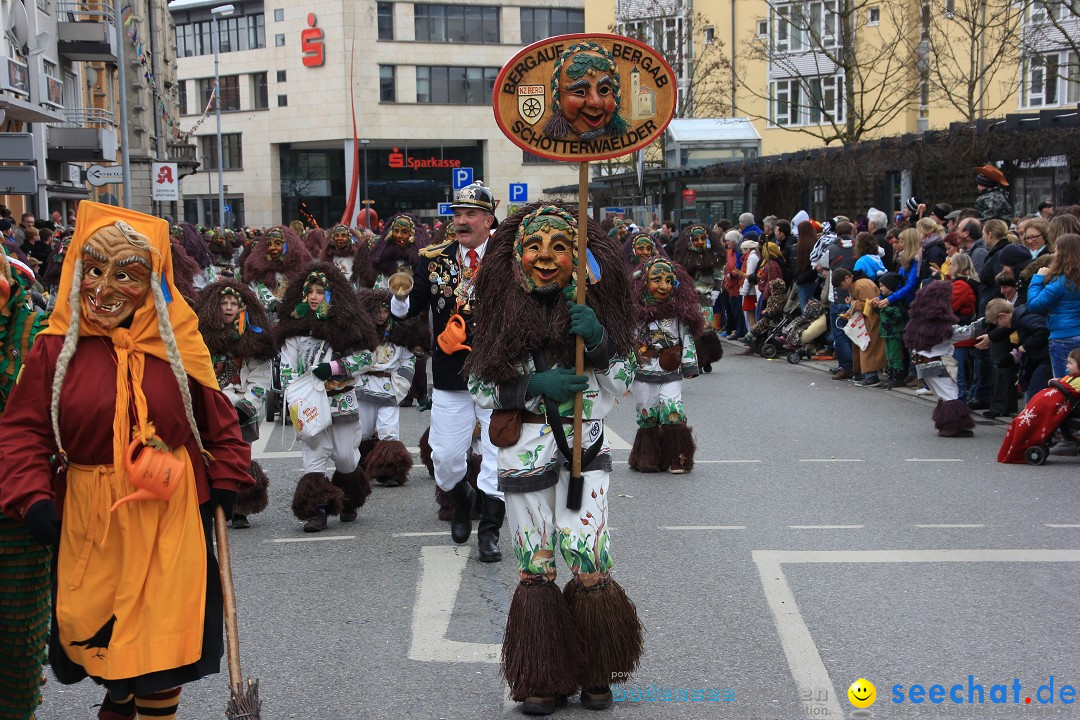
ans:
(487, 532)
(463, 496)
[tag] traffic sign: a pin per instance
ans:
(519, 193)
(461, 177)
(165, 182)
(614, 211)
(445, 209)
(98, 175)
(228, 208)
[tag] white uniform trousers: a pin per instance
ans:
(381, 420)
(453, 417)
(340, 442)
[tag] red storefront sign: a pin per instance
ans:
(311, 43)
(689, 197)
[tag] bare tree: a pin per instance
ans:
(967, 42)
(838, 69)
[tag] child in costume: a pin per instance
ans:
(386, 459)
(323, 329)
(930, 333)
(137, 602)
(668, 321)
(222, 246)
(351, 254)
(704, 263)
(24, 561)
(639, 249)
(236, 330)
(556, 642)
(278, 258)
(893, 318)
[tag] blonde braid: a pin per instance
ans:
(71, 340)
(177, 365)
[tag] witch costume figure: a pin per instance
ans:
(351, 254)
(668, 322)
(929, 334)
(278, 258)
(556, 642)
(123, 477)
(696, 252)
(386, 459)
(398, 248)
(222, 246)
(236, 330)
(323, 330)
(639, 249)
(24, 561)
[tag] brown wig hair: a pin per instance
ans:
(195, 245)
(294, 258)
(695, 262)
(807, 240)
(930, 317)
(412, 333)
(511, 324)
(1066, 260)
(221, 338)
(315, 240)
(683, 304)
(363, 274)
(184, 269)
(387, 253)
(631, 259)
(347, 327)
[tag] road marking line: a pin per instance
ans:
(933, 460)
(700, 462)
(437, 588)
(804, 660)
(826, 527)
(421, 534)
(311, 539)
(830, 460)
(702, 527)
(947, 525)
(1053, 525)
(614, 441)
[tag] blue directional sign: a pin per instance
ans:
(228, 208)
(445, 209)
(461, 177)
(519, 193)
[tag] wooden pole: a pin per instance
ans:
(236, 680)
(582, 280)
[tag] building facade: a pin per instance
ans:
(418, 76)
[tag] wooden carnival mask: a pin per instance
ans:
(115, 276)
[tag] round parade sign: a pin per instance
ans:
(582, 97)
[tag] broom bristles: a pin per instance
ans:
(246, 705)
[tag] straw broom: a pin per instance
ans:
(244, 702)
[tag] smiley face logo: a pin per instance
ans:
(862, 693)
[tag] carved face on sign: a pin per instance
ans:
(586, 86)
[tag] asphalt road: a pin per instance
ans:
(826, 534)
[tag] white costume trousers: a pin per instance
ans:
(453, 417)
(340, 442)
(381, 420)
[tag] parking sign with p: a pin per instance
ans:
(461, 177)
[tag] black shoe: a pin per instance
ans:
(316, 523)
(240, 522)
(596, 698)
(992, 414)
(707, 367)
(347, 516)
(978, 405)
(487, 531)
(464, 498)
(539, 705)
(406, 402)
(868, 381)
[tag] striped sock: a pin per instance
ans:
(160, 706)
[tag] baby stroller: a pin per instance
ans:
(800, 337)
(1031, 433)
(773, 341)
(771, 318)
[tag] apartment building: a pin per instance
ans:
(418, 77)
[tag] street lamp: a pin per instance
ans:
(365, 200)
(219, 11)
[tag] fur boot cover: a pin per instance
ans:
(354, 485)
(425, 454)
(389, 462)
(541, 655)
(313, 492)
(951, 417)
(678, 446)
(607, 625)
(647, 455)
(446, 504)
(252, 500)
(709, 348)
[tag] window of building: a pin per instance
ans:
(387, 84)
(456, 23)
(950, 8)
(805, 26)
(181, 96)
(54, 86)
(875, 16)
(710, 35)
(230, 91)
(282, 100)
(1038, 10)
(924, 98)
(279, 40)
(385, 12)
(455, 85)
(763, 28)
(230, 150)
(245, 32)
(666, 35)
(281, 74)
(279, 14)
(262, 94)
(1050, 79)
(807, 101)
(540, 23)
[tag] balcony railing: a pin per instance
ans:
(84, 11)
(87, 118)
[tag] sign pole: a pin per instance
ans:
(579, 347)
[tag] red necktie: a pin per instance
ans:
(471, 255)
